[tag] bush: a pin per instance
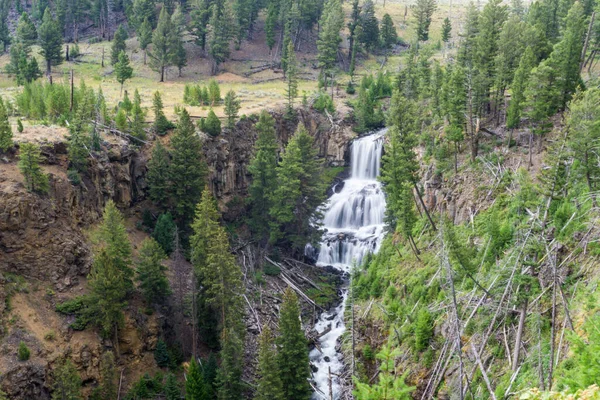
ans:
(50, 336)
(161, 354)
(211, 125)
(74, 176)
(323, 102)
(423, 329)
(271, 270)
(75, 52)
(164, 232)
(23, 352)
(19, 125)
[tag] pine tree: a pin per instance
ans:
(67, 383)
(269, 386)
(161, 354)
(219, 34)
(171, 389)
(214, 92)
(112, 238)
(423, 11)
(293, 359)
(195, 387)
(151, 273)
(212, 125)
(331, 23)
(519, 84)
(200, 16)
(291, 80)
(232, 107)
(209, 372)
(108, 376)
(143, 10)
(229, 374)
(118, 45)
(50, 40)
(300, 190)
(161, 123)
(188, 169)
(138, 115)
(106, 299)
(6, 134)
(123, 69)
(145, 36)
(180, 56)
(29, 165)
(264, 177)
(468, 44)
(390, 385)
(164, 45)
(78, 143)
(389, 36)
(446, 30)
(369, 34)
(164, 232)
(270, 25)
(26, 32)
(583, 121)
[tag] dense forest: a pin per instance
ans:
(311, 199)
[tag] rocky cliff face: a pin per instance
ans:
(42, 237)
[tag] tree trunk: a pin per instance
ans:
(519, 336)
(162, 74)
(48, 68)
(424, 207)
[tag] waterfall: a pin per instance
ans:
(354, 226)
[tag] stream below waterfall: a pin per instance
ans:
(353, 220)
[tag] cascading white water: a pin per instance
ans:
(353, 222)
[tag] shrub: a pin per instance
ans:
(161, 354)
(271, 270)
(50, 336)
(74, 176)
(75, 52)
(164, 232)
(211, 125)
(23, 352)
(19, 125)
(323, 102)
(423, 329)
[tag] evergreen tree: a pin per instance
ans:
(26, 32)
(171, 389)
(519, 84)
(164, 45)
(369, 34)
(293, 351)
(270, 24)
(446, 30)
(67, 383)
(108, 376)
(161, 354)
(180, 56)
(209, 372)
(291, 80)
(118, 45)
(229, 374)
(390, 385)
(142, 10)
(199, 18)
(423, 11)
(123, 69)
(161, 123)
(138, 115)
(29, 165)
(331, 23)
(583, 121)
(6, 134)
(264, 177)
(188, 169)
(214, 92)
(511, 46)
(164, 232)
(151, 273)
(145, 36)
(107, 290)
(219, 34)
(269, 386)
(78, 144)
(300, 190)
(389, 36)
(232, 107)
(212, 125)
(195, 387)
(468, 43)
(354, 26)
(50, 41)
(112, 238)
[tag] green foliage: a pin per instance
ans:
(331, 23)
(369, 34)
(262, 167)
(423, 11)
(164, 45)
(23, 352)
(19, 125)
(50, 41)
(300, 190)
(195, 386)
(323, 102)
(6, 134)
(123, 69)
(519, 84)
(390, 385)
(291, 79)
(232, 107)
(446, 30)
(158, 178)
(293, 362)
(67, 383)
(423, 329)
(388, 34)
(214, 92)
(29, 165)
(161, 123)
(118, 45)
(187, 172)
(212, 124)
(219, 34)
(151, 275)
(171, 389)
(164, 232)
(269, 386)
(161, 354)
(107, 389)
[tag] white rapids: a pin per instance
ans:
(354, 226)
